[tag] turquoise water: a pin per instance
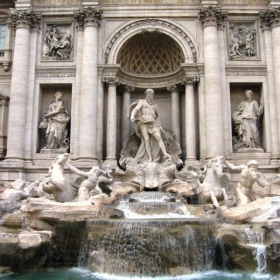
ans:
(84, 274)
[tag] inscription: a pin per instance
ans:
(115, 2)
(57, 2)
(244, 2)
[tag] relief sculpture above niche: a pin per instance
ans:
(57, 42)
(242, 41)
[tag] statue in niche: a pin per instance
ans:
(57, 45)
(55, 122)
(248, 176)
(150, 143)
(245, 118)
(242, 42)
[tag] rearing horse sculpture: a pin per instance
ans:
(211, 190)
(57, 184)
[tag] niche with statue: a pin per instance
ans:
(54, 118)
(247, 110)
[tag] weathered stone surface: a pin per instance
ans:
(241, 241)
(40, 225)
(179, 270)
(18, 184)
(12, 194)
(9, 206)
(5, 270)
(67, 212)
(13, 220)
(24, 249)
(260, 210)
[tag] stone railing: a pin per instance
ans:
(5, 59)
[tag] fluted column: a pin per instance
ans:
(22, 20)
(212, 17)
(88, 18)
(111, 140)
(125, 120)
(175, 111)
(271, 18)
(190, 118)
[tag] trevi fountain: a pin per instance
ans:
(139, 139)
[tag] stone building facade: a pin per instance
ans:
(199, 57)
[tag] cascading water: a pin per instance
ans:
(255, 240)
(151, 247)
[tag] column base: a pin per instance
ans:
(192, 162)
(86, 162)
(13, 162)
(112, 162)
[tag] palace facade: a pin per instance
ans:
(198, 56)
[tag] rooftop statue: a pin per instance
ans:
(245, 118)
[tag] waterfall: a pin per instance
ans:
(149, 248)
(255, 240)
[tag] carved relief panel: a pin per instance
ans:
(57, 42)
(243, 41)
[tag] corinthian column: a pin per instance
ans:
(111, 158)
(22, 20)
(210, 18)
(88, 18)
(175, 111)
(271, 19)
(126, 103)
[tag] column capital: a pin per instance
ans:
(190, 80)
(172, 88)
(212, 16)
(111, 81)
(270, 17)
(25, 18)
(88, 16)
(128, 88)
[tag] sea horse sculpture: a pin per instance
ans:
(57, 184)
(211, 190)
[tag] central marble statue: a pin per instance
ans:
(148, 129)
(150, 143)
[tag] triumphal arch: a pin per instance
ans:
(70, 69)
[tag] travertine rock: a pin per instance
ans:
(261, 210)
(18, 184)
(69, 211)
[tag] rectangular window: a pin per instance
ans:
(2, 36)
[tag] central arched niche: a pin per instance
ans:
(151, 59)
(150, 54)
